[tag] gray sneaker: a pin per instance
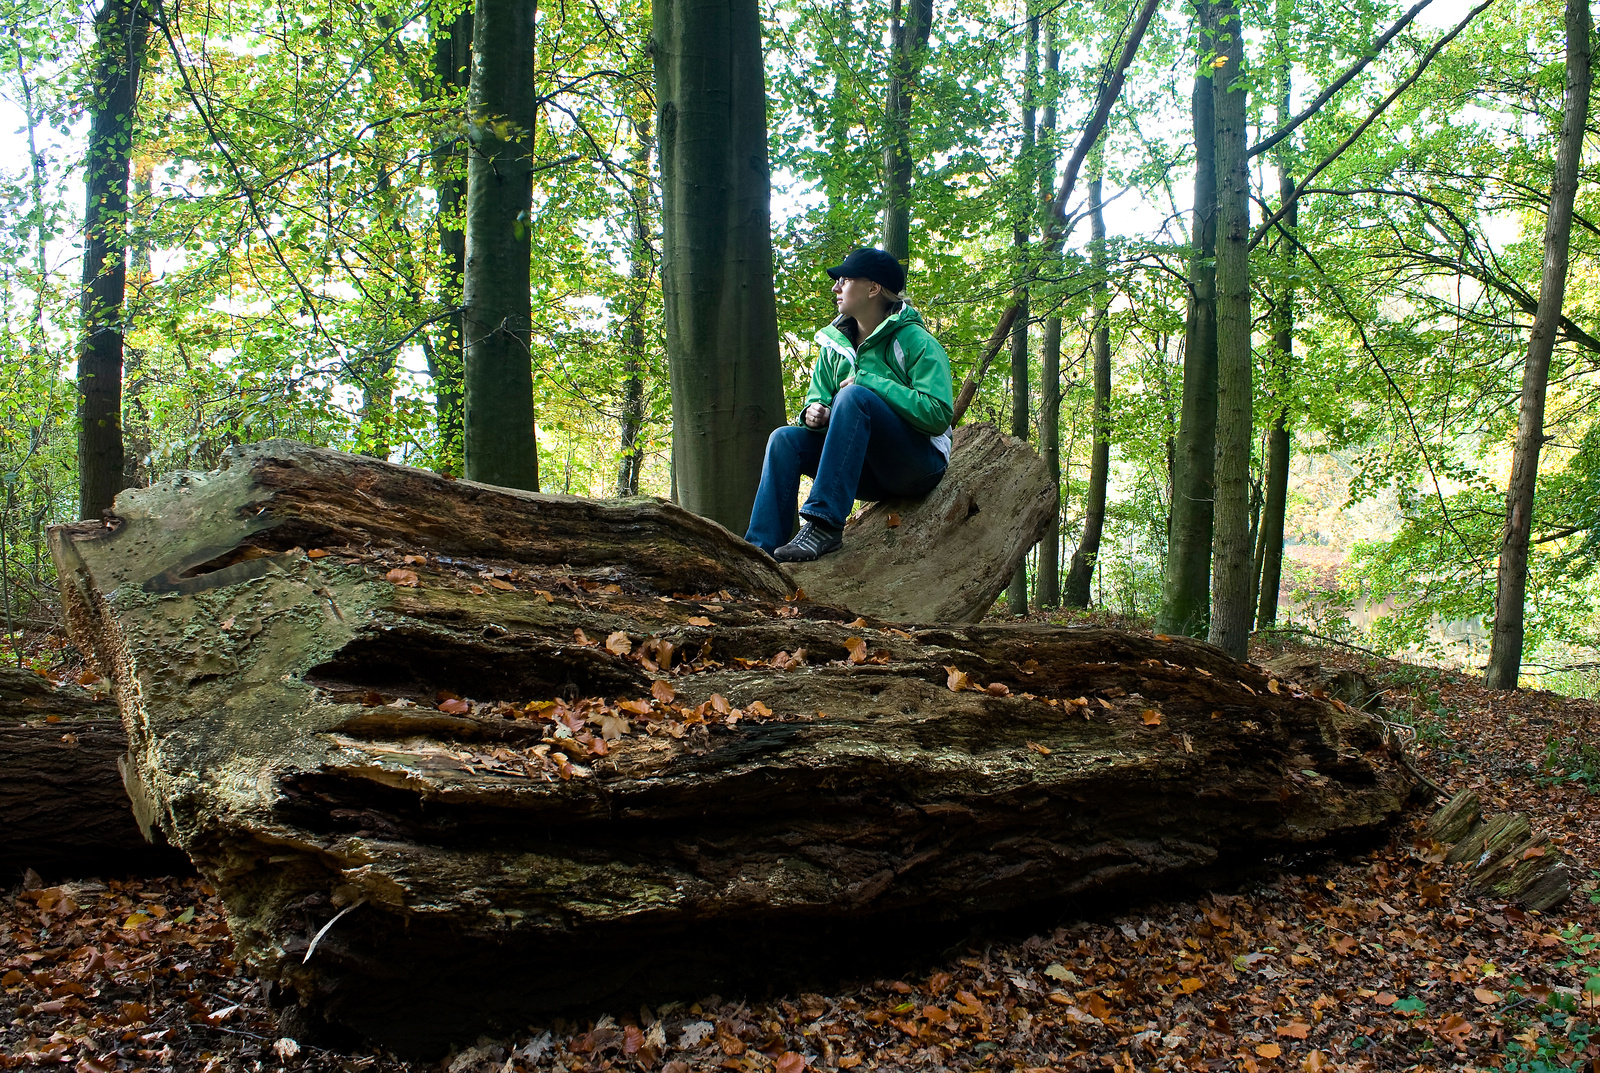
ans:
(813, 540)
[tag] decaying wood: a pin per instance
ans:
(1502, 854)
(63, 810)
(494, 753)
(947, 556)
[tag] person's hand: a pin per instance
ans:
(847, 381)
(816, 416)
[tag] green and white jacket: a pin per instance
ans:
(900, 362)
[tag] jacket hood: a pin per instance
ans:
(833, 337)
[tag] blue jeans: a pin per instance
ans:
(865, 451)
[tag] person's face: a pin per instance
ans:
(856, 297)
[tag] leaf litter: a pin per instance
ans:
(1376, 962)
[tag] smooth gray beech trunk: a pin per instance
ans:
(716, 252)
(1047, 589)
(1231, 604)
(908, 44)
(1028, 167)
(1185, 599)
(452, 72)
(1511, 582)
(499, 430)
(1087, 556)
(120, 28)
(630, 454)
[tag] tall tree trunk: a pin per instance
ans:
(1270, 574)
(500, 447)
(1028, 169)
(120, 28)
(1231, 603)
(1505, 643)
(630, 452)
(1185, 591)
(1048, 587)
(716, 252)
(452, 73)
(1088, 553)
(908, 44)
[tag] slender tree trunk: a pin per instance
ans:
(1185, 592)
(908, 45)
(716, 252)
(1028, 169)
(452, 72)
(1270, 574)
(1505, 643)
(630, 451)
(500, 447)
(1088, 553)
(1048, 587)
(120, 31)
(1231, 604)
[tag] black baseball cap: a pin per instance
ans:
(875, 265)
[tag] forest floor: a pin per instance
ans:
(1373, 962)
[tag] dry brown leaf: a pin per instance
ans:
(1272, 686)
(397, 576)
(619, 644)
(1268, 1050)
(502, 584)
(1040, 749)
(1294, 1030)
(1316, 1062)
(316, 553)
(957, 680)
(894, 520)
(858, 624)
(699, 620)
(857, 649)
(476, 590)
(759, 710)
(1485, 996)
(998, 689)
(454, 706)
(1151, 717)
(662, 691)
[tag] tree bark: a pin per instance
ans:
(1027, 175)
(716, 252)
(1231, 602)
(1270, 576)
(63, 810)
(640, 270)
(1087, 556)
(452, 75)
(344, 700)
(120, 28)
(500, 445)
(908, 44)
(1511, 580)
(1049, 570)
(1185, 596)
(945, 556)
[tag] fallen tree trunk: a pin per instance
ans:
(63, 810)
(946, 556)
(456, 754)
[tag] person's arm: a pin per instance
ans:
(926, 404)
(826, 373)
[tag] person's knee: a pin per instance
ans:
(852, 396)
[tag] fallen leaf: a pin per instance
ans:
(1456, 1029)
(789, 1062)
(1485, 996)
(730, 1043)
(857, 649)
(502, 584)
(1057, 972)
(998, 689)
(662, 691)
(1532, 852)
(1268, 1050)
(894, 520)
(1272, 685)
(858, 624)
(1191, 984)
(454, 706)
(1316, 1062)
(699, 620)
(619, 644)
(413, 560)
(1040, 749)
(1294, 1030)
(759, 710)
(476, 590)
(1386, 998)
(408, 578)
(1097, 1006)
(316, 553)
(958, 680)
(1151, 717)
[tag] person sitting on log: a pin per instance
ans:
(876, 422)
